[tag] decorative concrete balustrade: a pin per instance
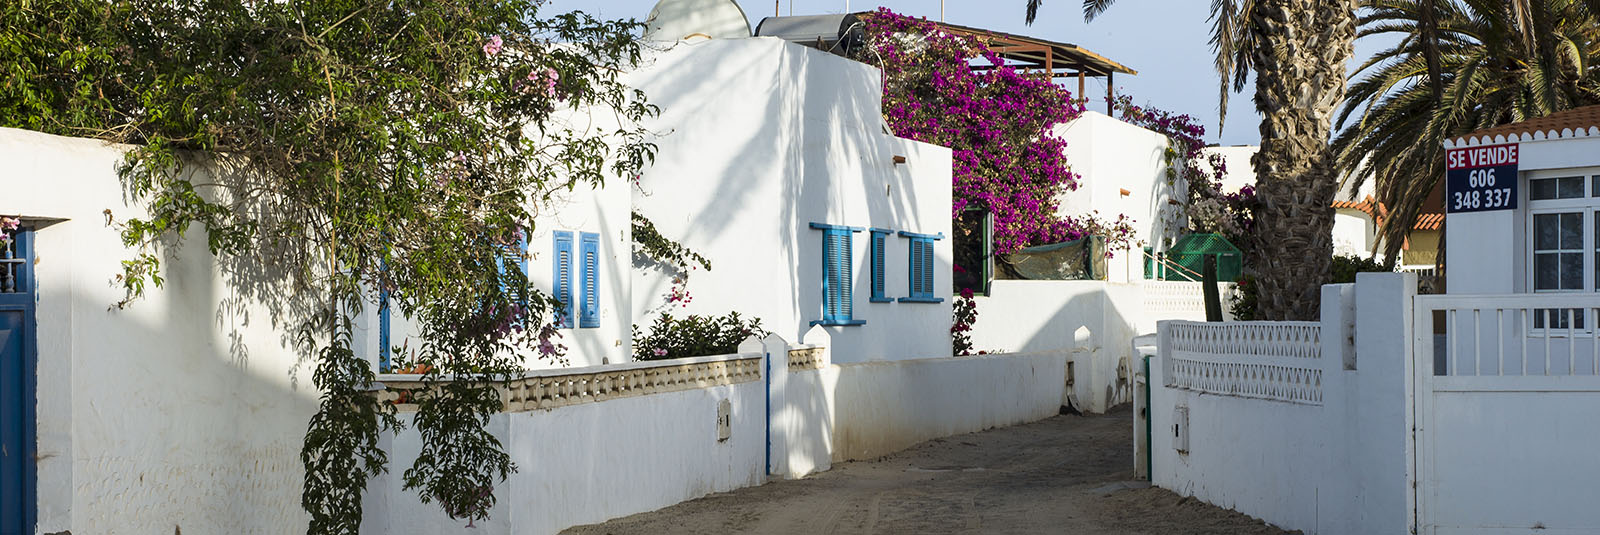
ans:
(1181, 300)
(805, 358)
(549, 389)
(1278, 361)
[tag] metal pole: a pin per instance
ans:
(1111, 89)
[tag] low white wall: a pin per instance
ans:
(1267, 459)
(1098, 318)
(595, 461)
(1335, 465)
(864, 410)
(887, 406)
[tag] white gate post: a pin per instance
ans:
(1382, 443)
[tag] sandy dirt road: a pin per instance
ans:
(1067, 474)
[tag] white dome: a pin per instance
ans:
(673, 20)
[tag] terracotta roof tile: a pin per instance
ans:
(1429, 221)
(1576, 120)
(1365, 205)
(1371, 206)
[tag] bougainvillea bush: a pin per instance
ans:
(1207, 207)
(997, 122)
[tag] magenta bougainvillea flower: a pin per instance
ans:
(999, 124)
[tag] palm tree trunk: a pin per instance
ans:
(1300, 78)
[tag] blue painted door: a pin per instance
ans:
(17, 507)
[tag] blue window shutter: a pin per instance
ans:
(921, 289)
(589, 306)
(836, 279)
(562, 278)
(927, 268)
(384, 340)
(920, 270)
(879, 242)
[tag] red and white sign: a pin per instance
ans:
(1481, 179)
(1490, 156)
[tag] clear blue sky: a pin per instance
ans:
(1164, 40)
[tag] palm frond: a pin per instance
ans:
(1397, 113)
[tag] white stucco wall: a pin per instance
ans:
(1237, 159)
(1496, 262)
(1334, 468)
(865, 410)
(592, 462)
(884, 407)
(1353, 233)
(186, 409)
(1111, 156)
(609, 458)
(758, 139)
(1095, 321)
(602, 210)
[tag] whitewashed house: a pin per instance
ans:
(774, 164)
(1525, 200)
(184, 410)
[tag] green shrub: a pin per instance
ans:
(694, 336)
(1345, 268)
(1242, 302)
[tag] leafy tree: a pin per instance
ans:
(1493, 67)
(1297, 50)
(340, 148)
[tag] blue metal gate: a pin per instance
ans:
(17, 380)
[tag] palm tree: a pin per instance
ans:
(1493, 67)
(1297, 49)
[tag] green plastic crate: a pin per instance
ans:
(1191, 250)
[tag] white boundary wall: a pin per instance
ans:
(589, 450)
(592, 460)
(1308, 441)
(1094, 321)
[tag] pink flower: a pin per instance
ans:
(660, 352)
(493, 46)
(550, 79)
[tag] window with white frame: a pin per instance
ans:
(1563, 242)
